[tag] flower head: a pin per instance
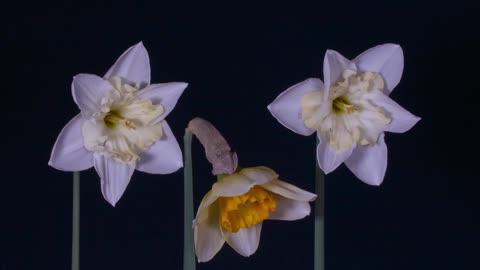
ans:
(350, 111)
(234, 209)
(121, 126)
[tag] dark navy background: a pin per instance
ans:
(237, 58)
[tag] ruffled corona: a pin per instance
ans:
(125, 126)
(244, 211)
(347, 116)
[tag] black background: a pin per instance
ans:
(237, 57)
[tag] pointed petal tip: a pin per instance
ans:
(377, 184)
(182, 86)
(369, 163)
(330, 51)
(112, 201)
(374, 182)
(325, 171)
(139, 45)
(53, 165)
(199, 260)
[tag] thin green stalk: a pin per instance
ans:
(319, 248)
(76, 222)
(188, 244)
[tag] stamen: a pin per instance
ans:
(342, 105)
(113, 118)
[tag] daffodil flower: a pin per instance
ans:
(234, 209)
(121, 126)
(350, 111)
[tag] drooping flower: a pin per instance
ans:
(350, 111)
(121, 126)
(234, 209)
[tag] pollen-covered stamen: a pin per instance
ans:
(342, 105)
(113, 118)
(247, 210)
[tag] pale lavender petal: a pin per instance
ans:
(164, 156)
(401, 119)
(287, 107)
(88, 91)
(333, 66)
(166, 94)
(114, 177)
(329, 159)
(68, 153)
(386, 59)
(369, 162)
(133, 66)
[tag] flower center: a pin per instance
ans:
(342, 105)
(347, 116)
(244, 211)
(126, 124)
(113, 118)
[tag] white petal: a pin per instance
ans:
(369, 162)
(88, 91)
(245, 241)
(208, 236)
(207, 200)
(259, 175)
(114, 177)
(68, 153)
(402, 120)
(232, 185)
(164, 156)
(166, 94)
(289, 191)
(133, 66)
(240, 183)
(287, 107)
(386, 59)
(329, 159)
(288, 209)
(333, 66)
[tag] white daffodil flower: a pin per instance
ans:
(121, 126)
(234, 209)
(350, 111)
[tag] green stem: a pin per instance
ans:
(188, 244)
(76, 222)
(319, 238)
